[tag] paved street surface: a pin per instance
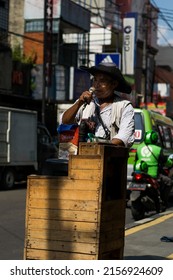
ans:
(12, 224)
(142, 238)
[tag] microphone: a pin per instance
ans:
(91, 90)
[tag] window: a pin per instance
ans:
(34, 26)
(43, 136)
(139, 128)
(60, 82)
(166, 136)
(38, 25)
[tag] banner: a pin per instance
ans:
(160, 107)
(128, 51)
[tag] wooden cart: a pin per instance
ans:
(80, 216)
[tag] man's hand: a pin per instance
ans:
(85, 97)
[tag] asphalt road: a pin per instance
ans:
(12, 223)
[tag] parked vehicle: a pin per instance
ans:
(146, 192)
(149, 120)
(25, 144)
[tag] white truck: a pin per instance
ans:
(24, 145)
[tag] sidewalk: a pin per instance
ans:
(142, 241)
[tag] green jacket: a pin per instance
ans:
(151, 155)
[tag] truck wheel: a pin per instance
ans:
(8, 179)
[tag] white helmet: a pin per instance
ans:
(170, 157)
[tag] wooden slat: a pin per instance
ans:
(87, 175)
(64, 183)
(63, 235)
(84, 162)
(89, 149)
(46, 193)
(63, 246)
(85, 167)
(33, 254)
(63, 215)
(55, 203)
(61, 225)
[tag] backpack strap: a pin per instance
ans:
(107, 131)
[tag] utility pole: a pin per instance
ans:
(145, 53)
(47, 52)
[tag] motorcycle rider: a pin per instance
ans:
(152, 154)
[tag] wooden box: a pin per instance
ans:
(80, 216)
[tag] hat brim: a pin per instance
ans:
(116, 74)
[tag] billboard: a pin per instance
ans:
(128, 49)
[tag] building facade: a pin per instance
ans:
(64, 40)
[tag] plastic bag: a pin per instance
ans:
(68, 136)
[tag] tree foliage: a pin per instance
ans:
(17, 55)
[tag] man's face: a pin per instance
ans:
(104, 85)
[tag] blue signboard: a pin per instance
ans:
(108, 57)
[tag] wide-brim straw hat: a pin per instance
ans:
(113, 71)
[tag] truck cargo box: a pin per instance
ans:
(18, 143)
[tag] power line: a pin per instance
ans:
(165, 39)
(23, 36)
(163, 17)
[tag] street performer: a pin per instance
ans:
(106, 114)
